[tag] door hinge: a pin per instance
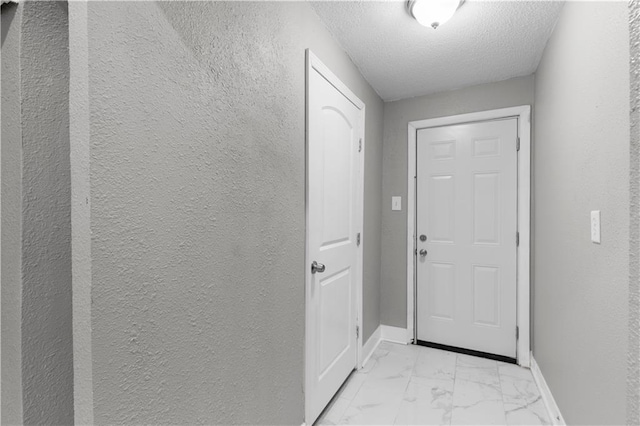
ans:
(360, 145)
(517, 239)
(358, 239)
(357, 331)
(518, 144)
(517, 332)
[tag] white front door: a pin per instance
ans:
(334, 214)
(466, 227)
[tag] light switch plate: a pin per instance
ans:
(595, 226)
(396, 203)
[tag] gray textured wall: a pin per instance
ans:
(36, 216)
(633, 375)
(581, 163)
(11, 158)
(197, 208)
(397, 115)
(47, 348)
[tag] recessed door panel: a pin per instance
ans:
(337, 141)
(335, 311)
(441, 298)
(486, 295)
(486, 208)
(443, 150)
(489, 147)
(466, 207)
(441, 211)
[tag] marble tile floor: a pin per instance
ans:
(414, 385)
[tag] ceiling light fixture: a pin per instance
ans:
(433, 13)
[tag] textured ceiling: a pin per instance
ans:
(485, 41)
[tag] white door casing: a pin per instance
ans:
(523, 114)
(467, 210)
(335, 152)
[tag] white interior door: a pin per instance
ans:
(334, 212)
(467, 211)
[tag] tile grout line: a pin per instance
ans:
(504, 410)
(453, 392)
(524, 403)
(355, 393)
(395, 419)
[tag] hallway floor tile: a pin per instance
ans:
(414, 385)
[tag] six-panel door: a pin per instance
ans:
(467, 209)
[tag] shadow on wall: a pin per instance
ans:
(8, 14)
(36, 216)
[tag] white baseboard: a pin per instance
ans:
(547, 397)
(386, 333)
(370, 346)
(394, 334)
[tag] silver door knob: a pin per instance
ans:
(317, 267)
(423, 252)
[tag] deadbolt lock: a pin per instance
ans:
(423, 238)
(317, 267)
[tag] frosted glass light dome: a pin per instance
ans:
(433, 13)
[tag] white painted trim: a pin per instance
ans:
(523, 113)
(411, 230)
(547, 396)
(369, 348)
(318, 65)
(394, 334)
(312, 62)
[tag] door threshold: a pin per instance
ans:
(464, 351)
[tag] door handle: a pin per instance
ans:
(317, 267)
(423, 252)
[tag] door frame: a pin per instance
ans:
(313, 63)
(523, 114)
